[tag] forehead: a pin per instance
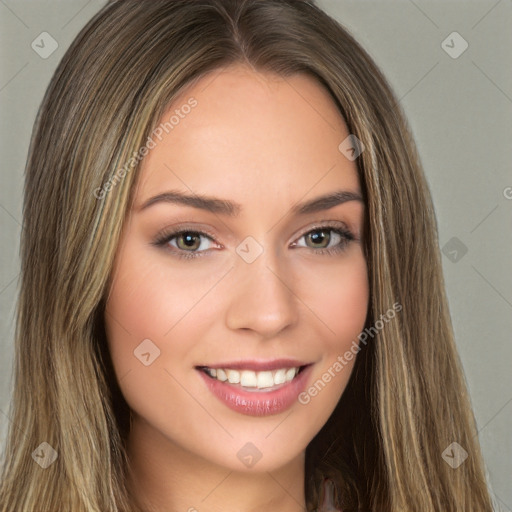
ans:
(244, 134)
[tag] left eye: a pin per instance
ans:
(321, 235)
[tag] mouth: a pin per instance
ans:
(266, 380)
(257, 389)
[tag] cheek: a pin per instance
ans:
(339, 297)
(144, 302)
(139, 307)
(339, 294)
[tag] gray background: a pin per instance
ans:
(460, 112)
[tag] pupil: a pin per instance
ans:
(189, 240)
(315, 237)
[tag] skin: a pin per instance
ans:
(267, 143)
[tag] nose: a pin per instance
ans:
(262, 298)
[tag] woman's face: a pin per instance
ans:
(262, 279)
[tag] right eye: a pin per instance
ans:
(188, 242)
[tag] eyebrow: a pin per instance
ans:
(232, 209)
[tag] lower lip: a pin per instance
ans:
(258, 403)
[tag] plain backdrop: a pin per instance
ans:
(456, 90)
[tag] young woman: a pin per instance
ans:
(231, 293)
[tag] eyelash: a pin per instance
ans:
(165, 237)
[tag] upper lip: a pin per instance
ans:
(254, 365)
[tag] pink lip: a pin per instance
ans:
(258, 366)
(258, 403)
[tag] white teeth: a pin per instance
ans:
(265, 379)
(248, 379)
(233, 376)
(251, 379)
(290, 374)
(280, 377)
(221, 375)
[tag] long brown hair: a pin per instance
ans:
(407, 395)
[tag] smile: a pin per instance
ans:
(252, 380)
(256, 392)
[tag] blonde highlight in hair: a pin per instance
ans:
(407, 395)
